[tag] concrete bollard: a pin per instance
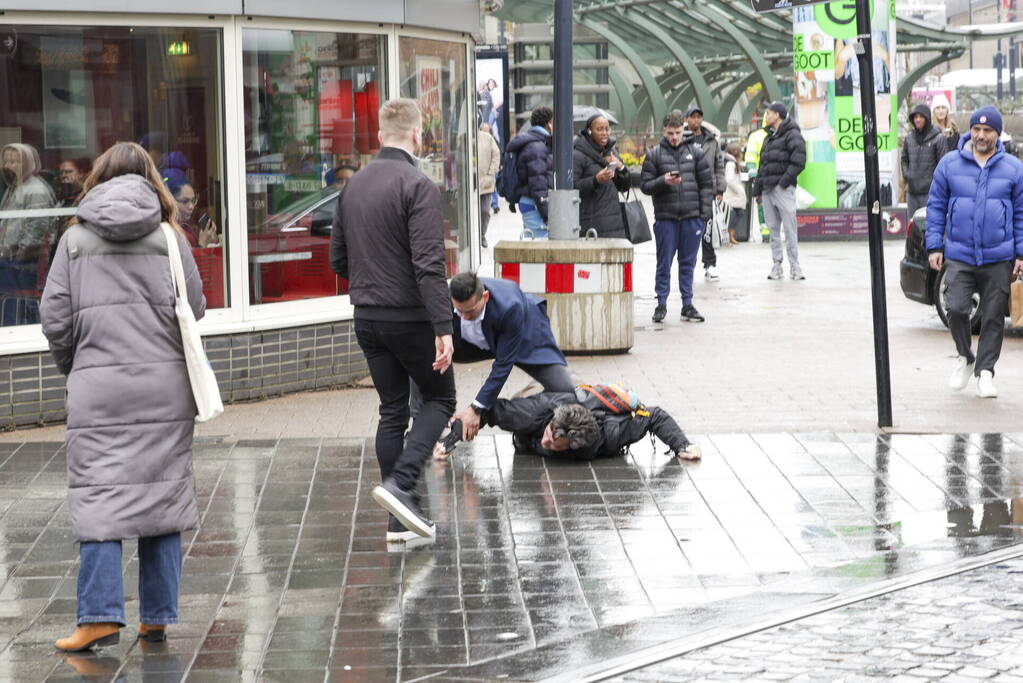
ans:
(587, 284)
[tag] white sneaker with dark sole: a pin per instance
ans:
(403, 506)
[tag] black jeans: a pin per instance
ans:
(708, 254)
(992, 282)
(397, 352)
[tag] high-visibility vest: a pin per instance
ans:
(754, 144)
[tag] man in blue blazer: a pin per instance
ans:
(495, 319)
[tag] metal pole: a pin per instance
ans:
(1012, 67)
(882, 368)
(563, 211)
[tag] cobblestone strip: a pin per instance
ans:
(961, 628)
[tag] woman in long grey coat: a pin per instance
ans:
(108, 313)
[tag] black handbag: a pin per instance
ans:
(637, 227)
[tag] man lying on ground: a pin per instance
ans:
(598, 421)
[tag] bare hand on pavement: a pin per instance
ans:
(937, 259)
(691, 453)
(445, 351)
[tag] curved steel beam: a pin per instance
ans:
(645, 75)
(907, 81)
(627, 105)
(755, 56)
(688, 64)
(730, 99)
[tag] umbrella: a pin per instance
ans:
(582, 112)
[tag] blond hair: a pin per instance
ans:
(399, 116)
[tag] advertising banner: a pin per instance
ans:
(827, 87)
(491, 90)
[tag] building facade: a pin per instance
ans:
(256, 113)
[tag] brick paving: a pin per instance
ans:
(963, 628)
(289, 577)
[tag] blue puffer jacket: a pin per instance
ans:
(974, 214)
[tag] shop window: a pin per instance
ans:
(311, 106)
(69, 93)
(433, 73)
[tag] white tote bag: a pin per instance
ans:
(200, 374)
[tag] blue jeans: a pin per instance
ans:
(101, 585)
(681, 239)
(531, 218)
(493, 200)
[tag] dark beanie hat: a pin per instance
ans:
(779, 108)
(987, 116)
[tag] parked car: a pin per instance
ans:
(919, 281)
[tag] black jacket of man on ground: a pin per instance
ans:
(390, 246)
(526, 418)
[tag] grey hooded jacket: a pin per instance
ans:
(108, 313)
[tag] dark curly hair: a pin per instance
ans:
(577, 423)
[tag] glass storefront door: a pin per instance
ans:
(433, 72)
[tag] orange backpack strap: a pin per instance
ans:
(613, 402)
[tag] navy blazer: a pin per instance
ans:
(518, 331)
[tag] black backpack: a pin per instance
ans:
(611, 399)
(508, 185)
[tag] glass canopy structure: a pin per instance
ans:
(712, 51)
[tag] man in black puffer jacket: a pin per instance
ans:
(534, 164)
(678, 177)
(782, 159)
(921, 152)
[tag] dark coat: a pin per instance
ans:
(694, 198)
(388, 240)
(517, 330)
(974, 214)
(921, 152)
(599, 207)
(534, 163)
(782, 158)
(108, 313)
(526, 418)
(710, 145)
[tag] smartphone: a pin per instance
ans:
(204, 220)
(674, 174)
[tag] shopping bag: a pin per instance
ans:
(717, 229)
(637, 227)
(1016, 306)
(200, 374)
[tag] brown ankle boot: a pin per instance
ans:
(88, 636)
(152, 633)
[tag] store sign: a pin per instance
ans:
(772, 5)
(179, 48)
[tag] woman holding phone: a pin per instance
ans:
(600, 175)
(200, 230)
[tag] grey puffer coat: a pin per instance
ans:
(108, 313)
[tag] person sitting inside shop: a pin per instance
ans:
(597, 421)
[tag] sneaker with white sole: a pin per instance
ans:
(403, 505)
(711, 273)
(776, 272)
(797, 273)
(397, 533)
(986, 385)
(960, 377)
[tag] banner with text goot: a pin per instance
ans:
(827, 87)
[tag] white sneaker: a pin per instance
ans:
(960, 377)
(710, 272)
(986, 385)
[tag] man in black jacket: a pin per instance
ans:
(682, 185)
(388, 241)
(534, 164)
(782, 159)
(921, 152)
(562, 424)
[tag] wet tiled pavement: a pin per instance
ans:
(963, 628)
(539, 566)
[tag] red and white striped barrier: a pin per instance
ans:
(569, 278)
